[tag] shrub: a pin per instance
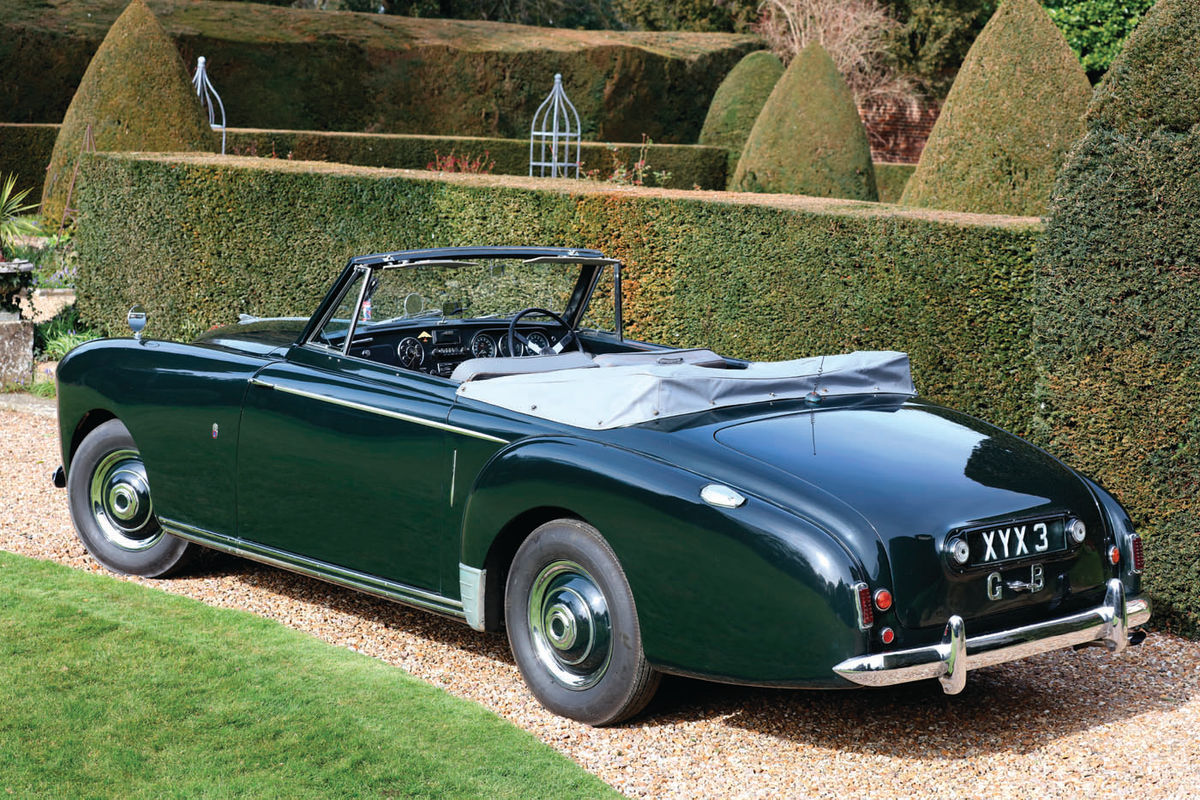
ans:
(808, 138)
(738, 100)
(761, 277)
(1013, 112)
(135, 95)
(855, 33)
(1096, 29)
(284, 68)
(1117, 296)
(25, 152)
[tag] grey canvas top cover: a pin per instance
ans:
(618, 396)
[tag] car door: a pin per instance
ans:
(344, 461)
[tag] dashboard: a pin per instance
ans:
(438, 349)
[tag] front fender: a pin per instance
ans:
(747, 595)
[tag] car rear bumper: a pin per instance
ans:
(950, 660)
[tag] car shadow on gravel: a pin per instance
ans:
(1016, 707)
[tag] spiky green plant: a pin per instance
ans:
(12, 223)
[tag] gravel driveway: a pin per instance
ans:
(1059, 725)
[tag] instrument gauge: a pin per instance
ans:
(410, 352)
(482, 346)
(539, 342)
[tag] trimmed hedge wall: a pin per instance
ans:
(199, 239)
(288, 68)
(25, 151)
(689, 165)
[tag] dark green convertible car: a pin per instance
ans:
(467, 430)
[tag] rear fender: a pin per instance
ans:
(751, 594)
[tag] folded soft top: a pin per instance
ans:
(619, 396)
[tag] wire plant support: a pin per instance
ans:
(208, 94)
(555, 128)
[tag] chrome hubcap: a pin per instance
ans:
(120, 502)
(568, 617)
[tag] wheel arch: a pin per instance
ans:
(88, 422)
(504, 548)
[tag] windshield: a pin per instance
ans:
(473, 290)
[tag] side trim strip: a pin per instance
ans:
(383, 412)
(390, 590)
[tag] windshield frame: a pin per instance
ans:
(591, 268)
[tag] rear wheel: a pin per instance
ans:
(109, 497)
(573, 627)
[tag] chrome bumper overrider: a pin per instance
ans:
(950, 660)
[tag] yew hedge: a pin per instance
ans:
(199, 239)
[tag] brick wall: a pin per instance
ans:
(897, 131)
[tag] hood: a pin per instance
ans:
(918, 473)
(262, 337)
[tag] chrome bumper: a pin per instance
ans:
(950, 660)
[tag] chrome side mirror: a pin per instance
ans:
(137, 321)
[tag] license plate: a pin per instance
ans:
(997, 544)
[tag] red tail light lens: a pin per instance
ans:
(887, 636)
(866, 613)
(883, 599)
(1135, 545)
(1114, 554)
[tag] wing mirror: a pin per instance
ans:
(137, 321)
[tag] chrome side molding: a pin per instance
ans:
(951, 659)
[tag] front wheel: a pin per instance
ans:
(109, 497)
(573, 627)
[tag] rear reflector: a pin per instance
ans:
(866, 614)
(883, 599)
(1114, 554)
(1135, 545)
(887, 636)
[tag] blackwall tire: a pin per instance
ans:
(109, 497)
(573, 627)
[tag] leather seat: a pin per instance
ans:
(480, 368)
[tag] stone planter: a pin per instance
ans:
(16, 334)
(16, 351)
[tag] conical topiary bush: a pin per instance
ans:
(808, 138)
(1015, 108)
(1118, 291)
(737, 101)
(137, 96)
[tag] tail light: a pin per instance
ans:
(1114, 555)
(1135, 548)
(866, 612)
(887, 636)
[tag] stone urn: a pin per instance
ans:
(16, 334)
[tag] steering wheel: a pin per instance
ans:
(569, 336)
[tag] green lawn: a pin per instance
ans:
(109, 689)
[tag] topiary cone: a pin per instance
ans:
(1118, 287)
(808, 138)
(1012, 114)
(737, 102)
(137, 96)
